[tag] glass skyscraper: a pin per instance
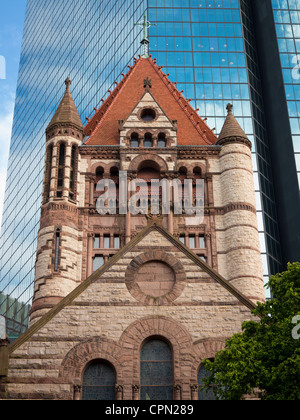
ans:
(210, 48)
(287, 20)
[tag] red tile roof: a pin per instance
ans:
(103, 127)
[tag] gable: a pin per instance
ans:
(115, 285)
(103, 128)
(135, 123)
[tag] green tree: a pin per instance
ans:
(266, 355)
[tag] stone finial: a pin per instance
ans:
(230, 109)
(68, 84)
(232, 131)
(66, 113)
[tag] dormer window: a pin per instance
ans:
(148, 115)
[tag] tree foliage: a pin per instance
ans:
(265, 356)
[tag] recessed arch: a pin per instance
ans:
(157, 161)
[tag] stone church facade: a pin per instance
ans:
(127, 306)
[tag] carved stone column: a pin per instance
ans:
(77, 392)
(119, 392)
(135, 392)
(194, 392)
(177, 392)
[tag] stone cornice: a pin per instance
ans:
(240, 140)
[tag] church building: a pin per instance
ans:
(128, 304)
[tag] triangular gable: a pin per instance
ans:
(68, 300)
(103, 128)
(134, 123)
(147, 100)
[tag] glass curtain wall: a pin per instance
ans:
(92, 42)
(208, 48)
(287, 22)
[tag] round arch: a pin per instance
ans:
(79, 357)
(157, 161)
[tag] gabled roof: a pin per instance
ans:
(68, 300)
(66, 112)
(103, 127)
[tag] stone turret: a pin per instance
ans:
(241, 238)
(57, 272)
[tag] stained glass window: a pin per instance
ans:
(99, 381)
(204, 395)
(156, 371)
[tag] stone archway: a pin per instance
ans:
(138, 161)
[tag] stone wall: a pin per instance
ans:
(107, 321)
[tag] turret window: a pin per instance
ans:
(48, 172)
(73, 172)
(57, 250)
(61, 170)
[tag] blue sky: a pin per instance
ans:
(12, 14)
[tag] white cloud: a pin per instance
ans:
(6, 119)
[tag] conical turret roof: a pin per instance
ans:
(66, 112)
(231, 128)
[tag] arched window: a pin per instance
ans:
(114, 174)
(156, 371)
(182, 173)
(61, 169)
(148, 142)
(204, 395)
(197, 172)
(161, 141)
(134, 141)
(48, 171)
(99, 381)
(57, 249)
(73, 172)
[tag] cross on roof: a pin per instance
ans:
(145, 42)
